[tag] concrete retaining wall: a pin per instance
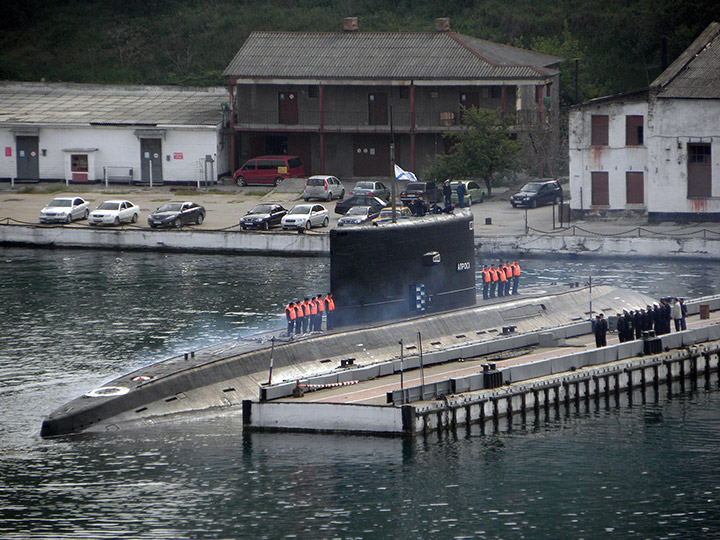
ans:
(167, 240)
(318, 243)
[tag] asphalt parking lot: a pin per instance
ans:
(225, 204)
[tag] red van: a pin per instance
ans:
(269, 170)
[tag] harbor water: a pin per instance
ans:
(73, 320)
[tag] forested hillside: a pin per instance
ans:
(619, 44)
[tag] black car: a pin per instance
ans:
(263, 216)
(428, 191)
(177, 214)
(534, 194)
(376, 203)
(358, 215)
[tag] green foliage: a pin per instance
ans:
(483, 149)
(618, 43)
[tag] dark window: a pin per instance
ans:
(294, 163)
(634, 130)
(79, 162)
(600, 195)
(699, 170)
(496, 92)
(470, 99)
(312, 91)
(404, 92)
(599, 135)
(634, 188)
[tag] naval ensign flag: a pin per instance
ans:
(404, 175)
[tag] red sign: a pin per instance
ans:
(8, 151)
(177, 155)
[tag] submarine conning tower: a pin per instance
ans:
(396, 270)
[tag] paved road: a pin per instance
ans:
(227, 204)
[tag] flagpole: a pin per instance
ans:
(393, 179)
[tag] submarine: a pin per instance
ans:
(390, 283)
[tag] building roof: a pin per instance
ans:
(696, 72)
(382, 56)
(82, 104)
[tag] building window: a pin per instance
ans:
(404, 92)
(79, 163)
(634, 188)
(633, 130)
(699, 170)
(599, 134)
(600, 192)
(313, 91)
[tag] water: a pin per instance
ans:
(75, 319)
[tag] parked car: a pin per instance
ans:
(429, 191)
(326, 188)
(114, 213)
(263, 216)
(358, 215)
(65, 210)
(402, 212)
(177, 214)
(360, 200)
(269, 170)
(473, 192)
(366, 187)
(305, 216)
(534, 194)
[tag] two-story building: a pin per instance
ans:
(653, 151)
(338, 99)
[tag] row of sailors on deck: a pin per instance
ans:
(501, 279)
(306, 316)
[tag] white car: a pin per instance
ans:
(65, 210)
(326, 188)
(305, 216)
(114, 213)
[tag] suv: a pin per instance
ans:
(269, 170)
(534, 194)
(425, 190)
(326, 188)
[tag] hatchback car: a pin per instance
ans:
(326, 188)
(534, 194)
(65, 210)
(358, 215)
(305, 216)
(114, 213)
(263, 216)
(428, 191)
(473, 192)
(402, 212)
(360, 200)
(177, 214)
(366, 187)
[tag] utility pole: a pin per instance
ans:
(393, 180)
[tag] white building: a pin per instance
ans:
(654, 151)
(92, 133)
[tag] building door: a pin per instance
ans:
(378, 109)
(371, 155)
(699, 170)
(151, 161)
(469, 99)
(600, 195)
(300, 145)
(287, 108)
(635, 193)
(28, 167)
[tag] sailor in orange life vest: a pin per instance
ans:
(306, 313)
(485, 276)
(290, 316)
(313, 315)
(502, 280)
(299, 316)
(493, 280)
(516, 276)
(329, 308)
(321, 310)
(508, 276)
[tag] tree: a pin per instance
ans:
(483, 149)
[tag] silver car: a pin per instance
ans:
(367, 187)
(306, 216)
(325, 188)
(114, 213)
(65, 210)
